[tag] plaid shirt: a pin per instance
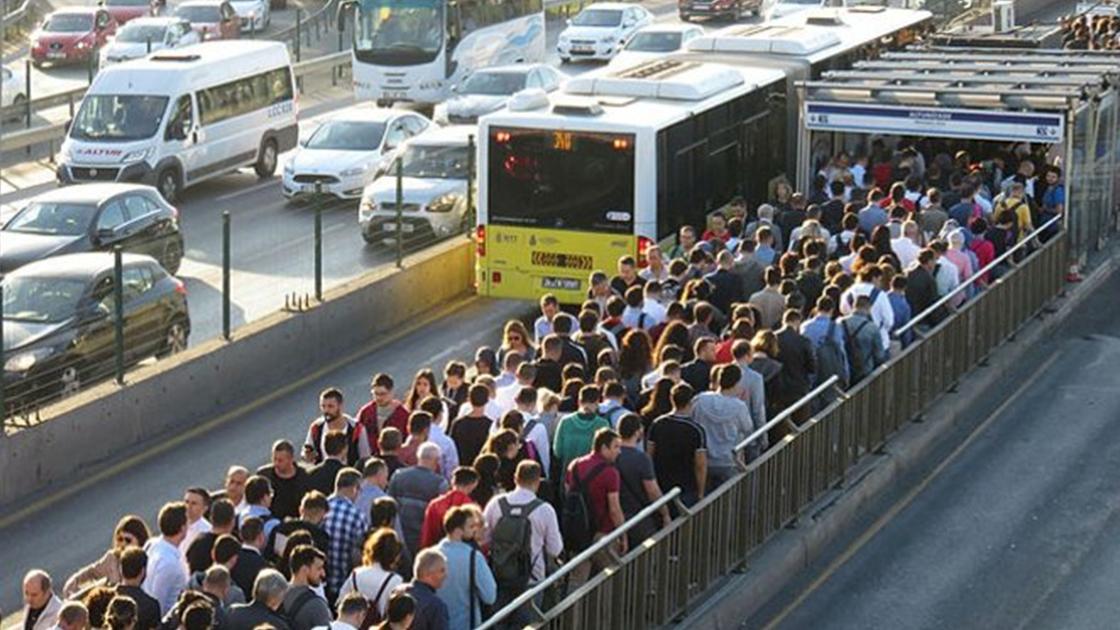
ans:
(345, 526)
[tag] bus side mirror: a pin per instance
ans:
(344, 8)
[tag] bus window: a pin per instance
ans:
(561, 179)
(399, 33)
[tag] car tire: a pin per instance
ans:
(266, 159)
(169, 183)
(69, 380)
(175, 338)
(18, 102)
(685, 17)
(369, 238)
(172, 256)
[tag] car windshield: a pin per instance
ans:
(118, 117)
(69, 23)
(399, 26)
(435, 162)
(655, 42)
(141, 33)
(43, 300)
(127, 3)
(803, 3)
(204, 15)
(347, 135)
(55, 219)
(494, 83)
(599, 17)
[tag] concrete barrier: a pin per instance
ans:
(178, 393)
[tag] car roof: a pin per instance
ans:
(445, 136)
(513, 68)
(76, 11)
(367, 112)
(162, 20)
(79, 266)
(669, 28)
(89, 193)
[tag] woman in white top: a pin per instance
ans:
(375, 579)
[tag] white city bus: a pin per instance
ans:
(418, 50)
(179, 117)
(620, 159)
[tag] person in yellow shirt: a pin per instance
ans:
(1014, 200)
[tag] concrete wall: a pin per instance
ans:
(178, 393)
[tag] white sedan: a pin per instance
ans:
(148, 34)
(12, 91)
(489, 89)
(654, 41)
(601, 30)
(255, 15)
(347, 151)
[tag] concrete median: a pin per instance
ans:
(107, 421)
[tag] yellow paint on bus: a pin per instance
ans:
(526, 262)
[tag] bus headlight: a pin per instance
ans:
(442, 204)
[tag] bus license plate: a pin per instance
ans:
(399, 95)
(562, 284)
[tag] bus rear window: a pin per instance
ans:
(567, 180)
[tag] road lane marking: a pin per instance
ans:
(213, 423)
(905, 501)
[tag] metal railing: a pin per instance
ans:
(673, 570)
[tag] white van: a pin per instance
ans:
(180, 117)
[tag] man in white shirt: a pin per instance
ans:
(907, 246)
(236, 478)
(655, 269)
(40, 605)
(654, 307)
(352, 609)
(507, 396)
(542, 328)
(197, 501)
(544, 541)
(881, 312)
(166, 572)
(534, 430)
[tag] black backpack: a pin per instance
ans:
(511, 552)
(373, 615)
(577, 522)
(830, 357)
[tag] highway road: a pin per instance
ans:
(1020, 530)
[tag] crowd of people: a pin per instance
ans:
(1091, 32)
(435, 508)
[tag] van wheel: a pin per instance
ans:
(168, 184)
(266, 159)
(174, 339)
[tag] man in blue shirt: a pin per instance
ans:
(817, 329)
(430, 570)
(466, 585)
(345, 526)
(901, 308)
(1053, 201)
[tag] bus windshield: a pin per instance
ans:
(399, 32)
(568, 180)
(655, 42)
(118, 117)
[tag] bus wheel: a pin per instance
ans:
(168, 184)
(266, 159)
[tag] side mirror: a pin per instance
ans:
(105, 235)
(303, 142)
(454, 89)
(66, 126)
(568, 21)
(344, 9)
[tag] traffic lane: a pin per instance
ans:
(66, 535)
(1017, 532)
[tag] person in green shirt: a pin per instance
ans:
(576, 431)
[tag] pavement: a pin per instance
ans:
(1019, 529)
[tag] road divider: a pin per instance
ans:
(80, 434)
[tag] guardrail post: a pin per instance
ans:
(89, 66)
(471, 219)
(3, 400)
(318, 243)
(299, 19)
(400, 203)
(118, 319)
(27, 91)
(317, 23)
(149, 45)
(225, 275)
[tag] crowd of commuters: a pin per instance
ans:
(434, 508)
(1091, 32)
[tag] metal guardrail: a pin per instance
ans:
(674, 569)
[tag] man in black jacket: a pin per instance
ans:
(921, 288)
(321, 476)
(133, 564)
(798, 360)
(727, 288)
(250, 560)
(698, 372)
(268, 595)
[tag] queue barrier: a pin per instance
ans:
(675, 569)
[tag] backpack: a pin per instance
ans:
(830, 357)
(577, 520)
(854, 356)
(511, 554)
(373, 615)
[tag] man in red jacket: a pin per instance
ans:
(382, 411)
(463, 482)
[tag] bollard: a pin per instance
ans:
(118, 320)
(225, 275)
(299, 19)
(27, 91)
(318, 243)
(470, 184)
(400, 203)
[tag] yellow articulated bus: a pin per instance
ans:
(622, 158)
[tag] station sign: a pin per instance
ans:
(972, 124)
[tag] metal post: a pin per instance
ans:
(92, 61)
(340, 42)
(471, 219)
(3, 400)
(225, 275)
(318, 247)
(27, 91)
(118, 320)
(299, 19)
(149, 45)
(252, 27)
(400, 203)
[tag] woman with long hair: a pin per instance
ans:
(507, 446)
(635, 360)
(764, 360)
(423, 385)
(660, 403)
(377, 577)
(675, 334)
(569, 395)
(486, 465)
(515, 338)
(129, 532)
(881, 241)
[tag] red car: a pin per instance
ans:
(212, 19)
(71, 35)
(125, 10)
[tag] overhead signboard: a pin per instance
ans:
(973, 124)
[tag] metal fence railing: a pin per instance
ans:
(668, 574)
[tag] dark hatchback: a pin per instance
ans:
(59, 332)
(90, 218)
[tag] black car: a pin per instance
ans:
(59, 313)
(90, 218)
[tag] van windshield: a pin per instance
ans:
(118, 117)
